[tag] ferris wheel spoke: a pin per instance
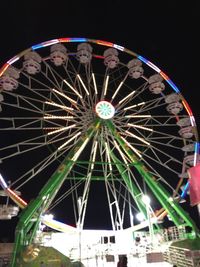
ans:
(84, 93)
(75, 81)
(163, 120)
(128, 171)
(25, 104)
(152, 121)
(119, 87)
(148, 105)
(168, 144)
(153, 104)
(55, 76)
(52, 81)
(35, 170)
(159, 134)
(163, 144)
(129, 134)
(34, 84)
(153, 148)
(52, 120)
(94, 84)
(66, 194)
(19, 149)
(38, 142)
(92, 87)
(137, 152)
(105, 80)
(143, 119)
(21, 123)
(169, 156)
(162, 134)
(150, 158)
(158, 175)
(59, 93)
(70, 74)
(134, 94)
(51, 88)
(133, 107)
(122, 154)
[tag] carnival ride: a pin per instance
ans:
(85, 119)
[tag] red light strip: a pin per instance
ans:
(104, 43)
(98, 56)
(4, 68)
(165, 77)
(64, 40)
(18, 200)
(187, 107)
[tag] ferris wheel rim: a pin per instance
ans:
(106, 44)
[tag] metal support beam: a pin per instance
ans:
(133, 189)
(177, 214)
(31, 214)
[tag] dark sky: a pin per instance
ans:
(165, 32)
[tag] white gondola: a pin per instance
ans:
(171, 98)
(189, 160)
(188, 148)
(8, 81)
(84, 53)
(58, 54)
(186, 132)
(174, 108)
(111, 59)
(184, 122)
(135, 68)
(156, 86)
(32, 62)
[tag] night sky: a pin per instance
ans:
(165, 32)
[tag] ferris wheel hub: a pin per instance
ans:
(105, 110)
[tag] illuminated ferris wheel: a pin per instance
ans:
(79, 115)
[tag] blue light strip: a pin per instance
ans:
(196, 153)
(44, 44)
(196, 148)
(78, 40)
(149, 63)
(158, 70)
(37, 46)
(54, 41)
(173, 86)
(143, 59)
(185, 189)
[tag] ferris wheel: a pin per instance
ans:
(85, 119)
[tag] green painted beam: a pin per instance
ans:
(94, 178)
(86, 162)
